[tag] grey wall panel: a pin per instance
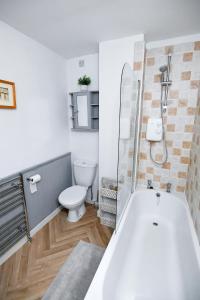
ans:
(56, 175)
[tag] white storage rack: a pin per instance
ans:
(108, 202)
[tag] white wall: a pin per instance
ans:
(84, 145)
(38, 129)
(112, 56)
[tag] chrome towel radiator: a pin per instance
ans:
(13, 213)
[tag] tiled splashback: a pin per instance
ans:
(179, 118)
(193, 181)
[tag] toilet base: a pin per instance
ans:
(75, 214)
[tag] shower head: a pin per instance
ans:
(163, 69)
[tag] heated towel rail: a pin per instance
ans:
(13, 213)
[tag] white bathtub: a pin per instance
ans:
(146, 261)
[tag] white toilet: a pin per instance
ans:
(73, 197)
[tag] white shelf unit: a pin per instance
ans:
(108, 202)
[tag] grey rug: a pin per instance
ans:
(75, 276)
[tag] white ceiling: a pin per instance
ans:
(74, 28)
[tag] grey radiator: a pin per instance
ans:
(13, 213)
(20, 209)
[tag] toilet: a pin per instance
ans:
(73, 197)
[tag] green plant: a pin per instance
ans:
(85, 80)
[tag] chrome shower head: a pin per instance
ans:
(163, 69)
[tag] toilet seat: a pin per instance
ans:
(72, 196)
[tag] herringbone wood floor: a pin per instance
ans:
(28, 273)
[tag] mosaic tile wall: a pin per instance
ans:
(179, 118)
(193, 180)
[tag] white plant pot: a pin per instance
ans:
(83, 87)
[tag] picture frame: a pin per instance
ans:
(7, 94)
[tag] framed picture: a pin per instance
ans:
(7, 94)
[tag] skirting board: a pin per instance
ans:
(90, 201)
(23, 241)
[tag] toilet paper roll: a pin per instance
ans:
(33, 182)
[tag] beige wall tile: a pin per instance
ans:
(158, 157)
(173, 94)
(186, 144)
(171, 127)
(137, 66)
(180, 188)
(197, 46)
(169, 143)
(186, 75)
(185, 160)
(145, 119)
(187, 56)
(191, 111)
(147, 95)
(166, 165)
(155, 103)
(182, 175)
(156, 178)
(150, 61)
(141, 175)
(150, 170)
(188, 128)
(129, 173)
(143, 155)
(172, 111)
(176, 151)
(157, 78)
(182, 102)
(195, 84)
(163, 186)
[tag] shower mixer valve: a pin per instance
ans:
(154, 130)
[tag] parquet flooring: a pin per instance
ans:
(28, 273)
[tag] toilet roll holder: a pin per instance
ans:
(31, 179)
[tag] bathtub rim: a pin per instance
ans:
(95, 290)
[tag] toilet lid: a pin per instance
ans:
(72, 196)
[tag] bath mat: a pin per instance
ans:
(75, 276)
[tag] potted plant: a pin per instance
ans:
(84, 82)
